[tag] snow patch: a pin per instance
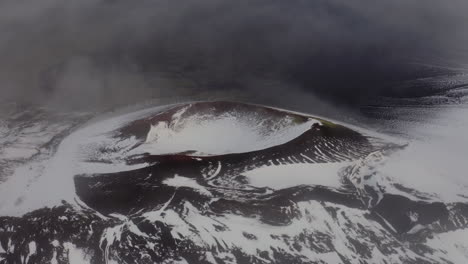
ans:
(285, 176)
(31, 251)
(75, 255)
(216, 135)
(450, 247)
(179, 181)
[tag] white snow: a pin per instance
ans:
(415, 229)
(112, 235)
(55, 243)
(109, 236)
(176, 261)
(216, 172)
(31, 251)
(75, 255)
(451, 246)
(156, 215)
(220, 134)
(2, 250)
(45, 183)
(179, 181)
(435, 161)
(284, 176)
(14, 153)
(315, 219)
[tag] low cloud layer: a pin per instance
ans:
(108, 52)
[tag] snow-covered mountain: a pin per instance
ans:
(219, 182)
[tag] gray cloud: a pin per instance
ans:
(106, 52)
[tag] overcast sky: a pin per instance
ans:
(107, 52)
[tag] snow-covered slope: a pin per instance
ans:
(225, 182)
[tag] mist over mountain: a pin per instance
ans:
(111, 52)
